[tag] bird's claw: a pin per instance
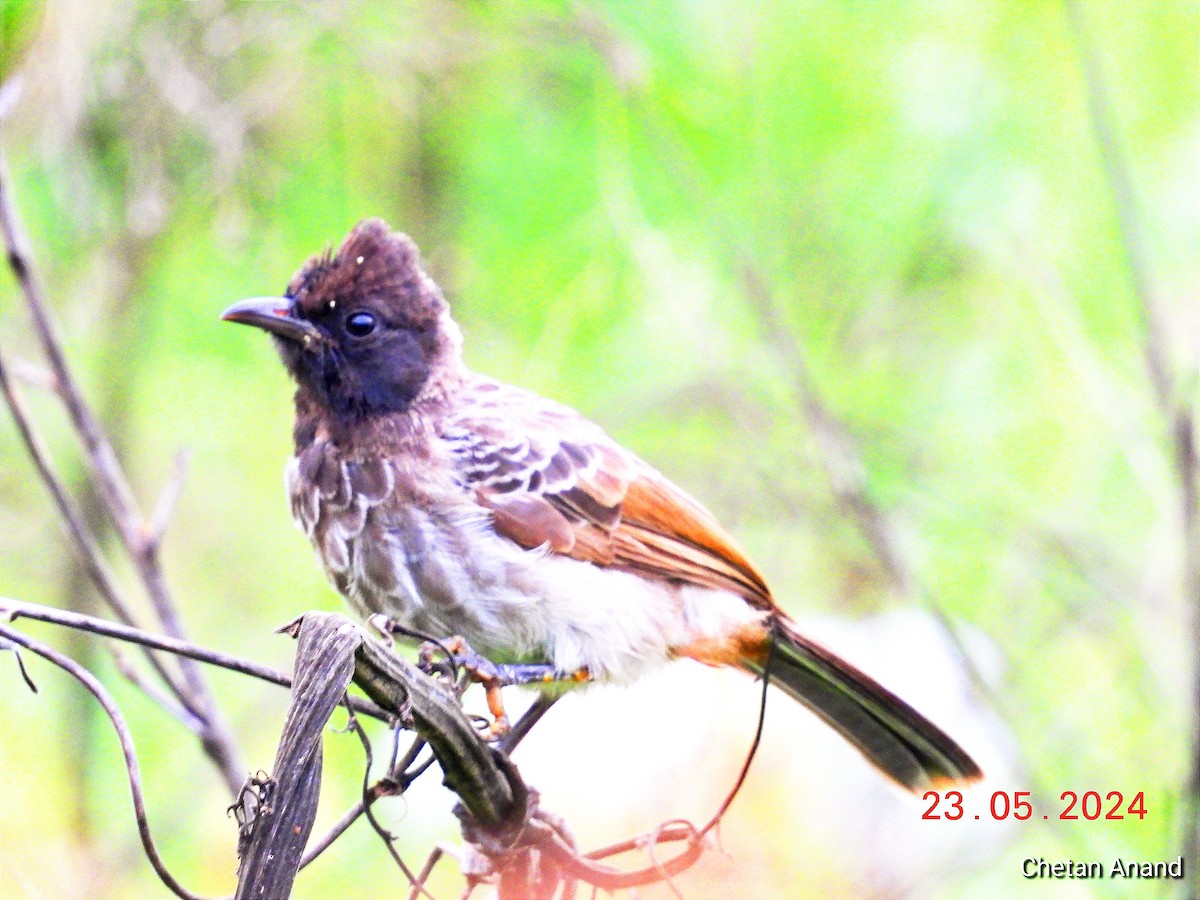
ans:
(478, 669)
(384, 625)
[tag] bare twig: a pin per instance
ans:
(316, 848)
(33, 375)
(479, 774)
(10, 93)
(86, 546)
(368, 801)
(400, 766)
(411, 776)
(397, 781)
(588, 869)
(106, 469)
(754, 744)
(164, 699)
(667, 878)
(12, 610)
(1186, 431)
(426, 870)
(1179, 417)
(142, 549)
(846, 472)
(540, 706)
(98, 451)
(18, 609)
(89, 681)
(168, 499)
(16, 652)
(1120, 183)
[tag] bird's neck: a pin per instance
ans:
(411, 431)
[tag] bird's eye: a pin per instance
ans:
(360, 324)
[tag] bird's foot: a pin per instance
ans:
(453, 655)
(432, 657)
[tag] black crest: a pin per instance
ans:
(382, 324)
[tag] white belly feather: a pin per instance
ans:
(449, 573)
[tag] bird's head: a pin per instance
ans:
(363, 331)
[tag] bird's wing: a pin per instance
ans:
(553, 479)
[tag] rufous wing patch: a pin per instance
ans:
(593, 545)
(664, 556)
(553, 479)
(670, 522)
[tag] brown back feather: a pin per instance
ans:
(554, 479)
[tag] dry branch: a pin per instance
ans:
(275, 836)
(11, 610)
(140, 540)
(93, 685)
(525, 850)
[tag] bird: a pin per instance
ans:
(457, 505)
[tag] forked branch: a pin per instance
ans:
(139, 539)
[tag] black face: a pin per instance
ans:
(362, 362)
(361, 330)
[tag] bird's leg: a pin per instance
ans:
(483, 671)
(494, 676)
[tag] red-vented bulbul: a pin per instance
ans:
(458, 505)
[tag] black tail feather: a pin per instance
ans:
(897, 739)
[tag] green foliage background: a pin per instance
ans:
(611, 195)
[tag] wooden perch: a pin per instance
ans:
(282, 814)
(528, 852)
(333, 651)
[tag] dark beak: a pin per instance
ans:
(273, 314)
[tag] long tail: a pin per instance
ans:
(897, 739)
